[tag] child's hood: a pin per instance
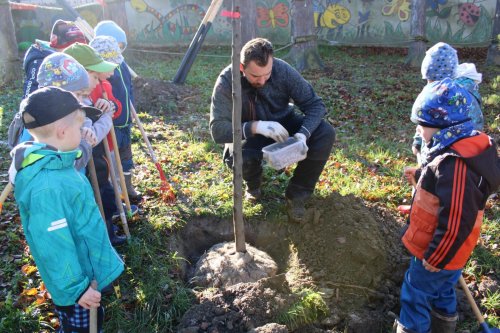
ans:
(38, 156)
(37, 51)
(480, 154)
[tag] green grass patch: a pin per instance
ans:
(309, 309)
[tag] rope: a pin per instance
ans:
(198, 55)
(401, 43)
(179, 53)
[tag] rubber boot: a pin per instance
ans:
(296, 210)
(441, 323)
(133, 195)
(301, 187)
(113, 237)
(401, 329)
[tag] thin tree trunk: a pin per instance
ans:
(416, 52)
(493, 57)
(114, 10)
(248, 19)
(9, 55)
(239, 229)
(304, 53)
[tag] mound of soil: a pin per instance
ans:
(156, 96)
(223, 266)
(349, 252)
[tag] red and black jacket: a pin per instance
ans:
(447, 208)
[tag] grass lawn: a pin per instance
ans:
(368, 92)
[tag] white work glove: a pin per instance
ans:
(272, 129)
(89, 136)
(302, 138)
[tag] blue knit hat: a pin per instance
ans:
(440, 62)
(110, 28)
(442, 104)
(63, 71)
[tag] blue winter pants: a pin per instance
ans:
(423, 291)
(124, 141)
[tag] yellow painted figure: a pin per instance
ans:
(334, 15)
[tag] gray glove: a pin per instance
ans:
(272, 129)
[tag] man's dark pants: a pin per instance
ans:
(306, 173)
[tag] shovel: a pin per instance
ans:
(475, 309)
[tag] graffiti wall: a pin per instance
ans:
(347, 22)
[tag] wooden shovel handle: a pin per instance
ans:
(472, 303)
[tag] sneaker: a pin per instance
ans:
(253, 195)
(296, 210)
(134, 208)
(117, 240)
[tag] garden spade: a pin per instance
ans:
(475, 309)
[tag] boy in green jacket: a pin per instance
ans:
(62, 224)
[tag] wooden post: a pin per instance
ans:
(416, 51)
(304, 53)
(9, 55)
(493, 57)
(239, 228)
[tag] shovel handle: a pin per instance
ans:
(93, 312)
(472, 303)
(5, 193)
(143, 133)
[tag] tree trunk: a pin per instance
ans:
(493, 57)
(9, 55)
(416, 51)
(114, 10)
(248, 19)
(304, 53)
(239, 229)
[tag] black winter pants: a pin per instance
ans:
(306, 173)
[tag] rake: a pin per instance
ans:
(166, 189)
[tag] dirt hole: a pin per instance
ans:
(349, 252)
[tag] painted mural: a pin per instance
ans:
(343, 22)
(33, 19)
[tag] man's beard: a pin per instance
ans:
(257, 85)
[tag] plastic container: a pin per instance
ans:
(282, 154)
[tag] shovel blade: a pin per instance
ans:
(487, 329)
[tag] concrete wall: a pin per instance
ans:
(350, 22)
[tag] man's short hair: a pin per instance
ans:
(258, 50)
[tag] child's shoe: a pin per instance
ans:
(133, 208)
(115, 239)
